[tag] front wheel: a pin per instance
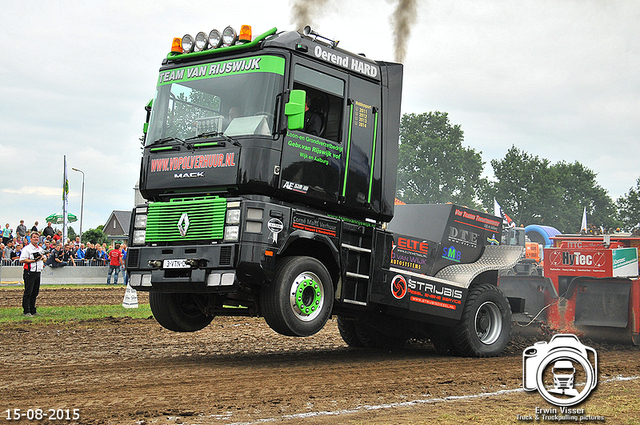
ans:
(485, 327)
(299, 300)
(178, 312)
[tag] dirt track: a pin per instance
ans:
(132, 371)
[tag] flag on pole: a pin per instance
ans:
(497, 211)
(583, 226)
(65, 201)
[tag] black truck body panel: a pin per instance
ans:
(289, 193)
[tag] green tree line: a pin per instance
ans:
(435, 167)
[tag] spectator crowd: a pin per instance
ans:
(59, 253)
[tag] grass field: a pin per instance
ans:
(67, 313)
(71, 313)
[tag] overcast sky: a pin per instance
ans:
(558, 79)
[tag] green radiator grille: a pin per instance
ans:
(202, 218)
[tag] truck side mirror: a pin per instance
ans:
(145, 127)
(294, 109)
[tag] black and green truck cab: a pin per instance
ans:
(269, 167)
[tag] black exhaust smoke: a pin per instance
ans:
(402, 20)
(305, 11)
(404, 16)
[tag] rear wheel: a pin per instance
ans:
(485, 327)
(372, 337)
(299, 300)
(440, 337)
(347, 329)
(178, 312)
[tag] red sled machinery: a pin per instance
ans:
(590, 287)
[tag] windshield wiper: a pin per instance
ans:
(217, 134)
(171, 139)
(206, 134)
(167, 139)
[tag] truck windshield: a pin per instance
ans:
(231, 97)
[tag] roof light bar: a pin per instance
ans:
(215, 39)
(201, 42)
(187, 43)
(229, 37)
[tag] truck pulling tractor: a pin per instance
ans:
(269, 170)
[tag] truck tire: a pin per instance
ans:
(347, 329)
(178, 312)
(371, 337)
(299, 300)
(485, 327)
(440, 337)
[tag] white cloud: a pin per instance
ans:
(557, 79)
(34, 191)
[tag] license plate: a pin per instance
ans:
(175, 264)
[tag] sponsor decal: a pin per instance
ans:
(271, 64)
(476, 220)
(564, 372)
(193, 162)
(296, 187)
(352, 221)
(421, 247)
(434, 294)
(275, 226)
(399, 287)
(576, 258)
(625, 262)
(314, 224)
(345, 61)
(410, 254)
(463, 236)
(314, 149)
(451, 253)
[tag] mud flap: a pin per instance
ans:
(537, 292)
(602, 302)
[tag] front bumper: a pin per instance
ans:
(219, 267)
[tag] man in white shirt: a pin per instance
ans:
(32, 257)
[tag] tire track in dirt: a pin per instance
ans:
(126, 371)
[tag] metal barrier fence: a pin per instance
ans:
(81, 263)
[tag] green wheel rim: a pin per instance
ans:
(307, 296)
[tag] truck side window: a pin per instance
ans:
(325, 98)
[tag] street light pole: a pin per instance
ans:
(81, 202)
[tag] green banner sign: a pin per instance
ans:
(625, 262)
(271, 64)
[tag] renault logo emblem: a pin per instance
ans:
(183, 224)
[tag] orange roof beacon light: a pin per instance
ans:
(176, 46)
(245, 34)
